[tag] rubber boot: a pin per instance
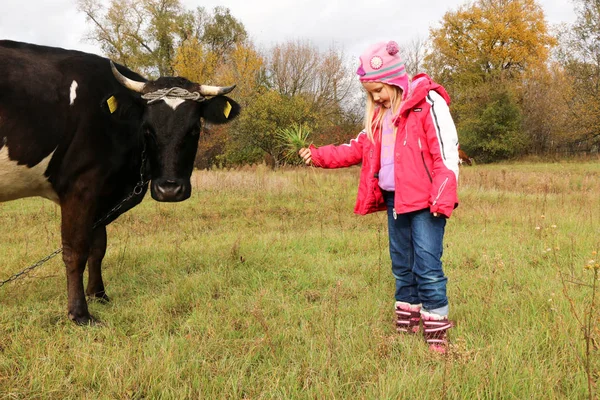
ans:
(408, 317)
(435, 331)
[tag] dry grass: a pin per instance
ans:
(265, 285)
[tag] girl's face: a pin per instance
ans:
(381, 93)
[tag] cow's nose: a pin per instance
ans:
(169, 190)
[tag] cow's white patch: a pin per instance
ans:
(17, 181)
(173, 103)
(73, 92)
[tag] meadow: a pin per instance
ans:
(265, 285)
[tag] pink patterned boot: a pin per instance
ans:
(435, 329)
(408, 317)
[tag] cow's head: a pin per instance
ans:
(171, 122)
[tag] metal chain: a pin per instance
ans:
(137, 190)
(30, 268)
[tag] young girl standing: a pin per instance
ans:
(409, 155)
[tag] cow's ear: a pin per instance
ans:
(220, 110)
(122, 107)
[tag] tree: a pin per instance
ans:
(483, 53)
(492, 131)
(299, 68)
(244, 68)
(195, 62)
(221, 32)
(298, 85)
(545, 109)
(493, 39)
(413, 54)
(219, 40)
(579, 54)
(292, 66)
(141, 34)
(260, 122)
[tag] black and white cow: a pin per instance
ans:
(73, 128)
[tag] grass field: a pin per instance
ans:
(265, 285)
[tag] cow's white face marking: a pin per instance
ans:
(73, 92)
(173, 103)
(17, 181)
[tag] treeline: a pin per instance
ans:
(518, 88)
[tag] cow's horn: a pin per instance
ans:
(128, 83)
(215, 90)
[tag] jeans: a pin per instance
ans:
(416, 246)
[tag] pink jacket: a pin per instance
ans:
(426, 155)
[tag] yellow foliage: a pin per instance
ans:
(242, 67)
(491, 37)
(194, 62)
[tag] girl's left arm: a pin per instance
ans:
(443, 146)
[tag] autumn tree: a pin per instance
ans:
(546, 114)
(323, 77)
(195, 62)
(141, 34)
(220, 31)
(265, 116)
(481, 53)
(579, 55)
(491, 39)
(244, 68)
(219, 53)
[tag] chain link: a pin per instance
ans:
(137, 190)
(30, 268)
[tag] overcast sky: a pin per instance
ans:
(351, 25)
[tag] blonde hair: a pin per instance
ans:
(372, 123)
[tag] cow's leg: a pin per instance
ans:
(76, 229)
(95, 286)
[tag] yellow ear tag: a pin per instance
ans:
(227, 110)
(112, 104)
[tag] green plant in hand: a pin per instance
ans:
(292, 139)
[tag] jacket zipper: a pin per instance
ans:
(424, 164)
(440, 191)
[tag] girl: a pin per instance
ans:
(409, 155)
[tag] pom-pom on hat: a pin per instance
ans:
(381, 62)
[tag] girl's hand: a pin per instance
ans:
(305, 154)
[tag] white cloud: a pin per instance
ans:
(351, 25)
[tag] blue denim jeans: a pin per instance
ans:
(416, 246)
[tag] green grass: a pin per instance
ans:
(265, 285)
(292, 140)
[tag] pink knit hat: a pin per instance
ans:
(381, 62)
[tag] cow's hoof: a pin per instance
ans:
(83, 320)
(101, 298)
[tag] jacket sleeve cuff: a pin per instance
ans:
(435, 208)
(314, 155)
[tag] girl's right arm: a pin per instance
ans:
(331, 156)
